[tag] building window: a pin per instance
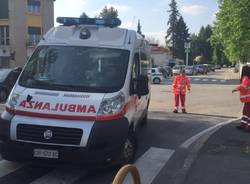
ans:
(34, 35)
(4, 35)
(4, 9)
(34, 6)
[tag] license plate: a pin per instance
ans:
(44, 153)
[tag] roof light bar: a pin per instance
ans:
(70, 21)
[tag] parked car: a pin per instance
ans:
(190, 70)
(157, 76)
(206, 68)
(169, 70)
(8, 79)
(176, 69)
(201, 69)
(217, 67)
(212, 67)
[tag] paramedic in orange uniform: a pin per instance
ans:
(180, 84)
(244, 89)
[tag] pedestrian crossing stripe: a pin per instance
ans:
(7, 167)
(149, 165)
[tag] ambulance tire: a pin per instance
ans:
(144, 120)
(129, 150)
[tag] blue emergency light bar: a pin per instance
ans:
(70, 21)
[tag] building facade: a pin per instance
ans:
(160, 55)
(22, 24)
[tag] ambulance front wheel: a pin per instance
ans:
(129, 149)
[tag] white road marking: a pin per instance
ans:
(60, 176)
(194, 138)
(7, 167)
(205, 80)
(214, 80)
(196, 79)
(150, 164)
(222, 80)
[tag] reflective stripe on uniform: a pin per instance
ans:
(244, 122)
(245, 96)
(245, 86)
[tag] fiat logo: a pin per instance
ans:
(48, 134)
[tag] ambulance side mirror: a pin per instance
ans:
(142, 87)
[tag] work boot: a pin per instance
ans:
(241, 126)
(184, 111)
(175, 111)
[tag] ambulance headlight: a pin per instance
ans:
(13, 100)
(10, 106)
(111, 106)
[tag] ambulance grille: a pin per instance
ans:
(60, 135)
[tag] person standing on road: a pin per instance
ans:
(180, 84)
(244, 89)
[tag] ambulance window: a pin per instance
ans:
(144, 64)
(135, 69)
(135, 72)
(70, 68)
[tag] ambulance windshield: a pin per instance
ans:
(70, 68)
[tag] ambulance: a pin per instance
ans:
(80, 97)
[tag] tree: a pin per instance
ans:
(200, 44)
(172, 22)
(108, 13)
(200, 59)
(182, 36)
(139, 27)
(84, 15)
(205, 46)
(232, 29)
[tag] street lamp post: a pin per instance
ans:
(187, 46)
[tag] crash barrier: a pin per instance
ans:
(124, 171)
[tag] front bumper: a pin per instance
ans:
(104, 146)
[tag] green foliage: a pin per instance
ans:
(172, 23)
(108, 13)
(200, 44)
(232, 29)
(182, 36)
(84, 15)
(139, 27)
(177, 33)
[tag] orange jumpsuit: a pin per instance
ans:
(180, 84)
(244, 89)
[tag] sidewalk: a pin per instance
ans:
(224, 159)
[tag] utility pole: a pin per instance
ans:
(187, 46)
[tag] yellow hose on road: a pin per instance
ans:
(124, 171)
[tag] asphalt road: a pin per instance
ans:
(158, 141)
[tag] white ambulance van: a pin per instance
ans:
(80, 97)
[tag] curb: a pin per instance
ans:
(193, 147)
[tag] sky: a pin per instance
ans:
(153, 14)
